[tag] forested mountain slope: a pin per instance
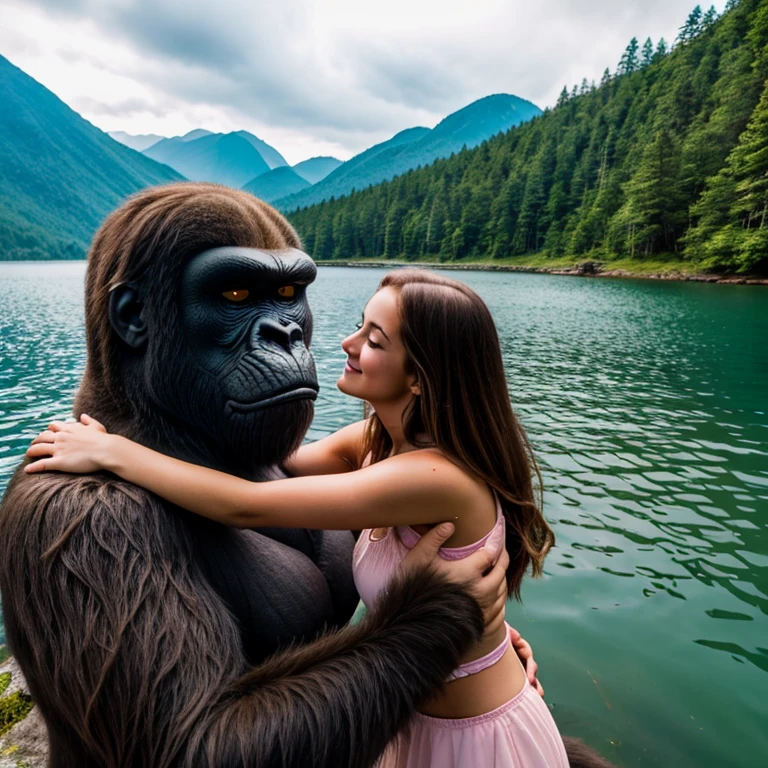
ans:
(59, 174)
(416, 147)
(667, 156)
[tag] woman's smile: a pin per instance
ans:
(349, 368)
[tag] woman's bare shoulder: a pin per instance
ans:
(467, 499)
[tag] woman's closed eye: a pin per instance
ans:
(373, 344)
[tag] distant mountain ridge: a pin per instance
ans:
(60, 174)
(276, 183)
(468, 127)
(232, 158)
(139, 141)
(316, 168)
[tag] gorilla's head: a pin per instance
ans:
(198, 327)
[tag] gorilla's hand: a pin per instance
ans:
(483, 579)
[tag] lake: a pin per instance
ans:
(647, 404)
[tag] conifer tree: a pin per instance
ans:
(651, 219)
(692, 26)
(661, 50)
(564, 96)
(630, 61)
(709, 18)
(647, 52)
(733, 211)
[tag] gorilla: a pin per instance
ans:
(149, 636)
(152, 637)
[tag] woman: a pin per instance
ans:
(442, 444)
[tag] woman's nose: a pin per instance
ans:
(348, 344)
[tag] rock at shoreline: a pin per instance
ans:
(26, 743)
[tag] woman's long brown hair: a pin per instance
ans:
(464, 408)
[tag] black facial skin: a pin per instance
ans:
(256, 347)
(244, 367)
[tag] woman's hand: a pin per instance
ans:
(70, 447)
(525, 654)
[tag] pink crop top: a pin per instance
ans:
(375, 562)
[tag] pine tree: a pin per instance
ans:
(647, 52)
(710, 17)
(733, 211)
(692, 26)
(630, 61)
(606, 78)
(564, 97)
(651, 219)
(661, 50)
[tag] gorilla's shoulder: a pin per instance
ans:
(54, 505)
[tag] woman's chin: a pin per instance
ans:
(343, 386)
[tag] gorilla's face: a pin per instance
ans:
(246, 327)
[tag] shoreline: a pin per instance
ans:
(586, 269)
(581, 269)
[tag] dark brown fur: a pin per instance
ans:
(582, 756)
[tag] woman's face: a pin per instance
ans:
(375, 369)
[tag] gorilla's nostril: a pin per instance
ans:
(284, 335)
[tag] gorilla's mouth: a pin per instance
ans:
(300, 393)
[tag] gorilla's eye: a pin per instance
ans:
(240, 294)
(286, 291)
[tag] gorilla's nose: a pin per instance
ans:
(284, 335)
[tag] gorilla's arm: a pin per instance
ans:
(338, 701)
(134, 660)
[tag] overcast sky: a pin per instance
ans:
(316, 77)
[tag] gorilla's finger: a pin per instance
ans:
(427, 548)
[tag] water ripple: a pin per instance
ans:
(646, 403)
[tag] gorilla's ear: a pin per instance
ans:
(125, 315)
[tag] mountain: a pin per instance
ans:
(197, 133)
(276, 183)
(338, 180)
(60, 174)
(316, 168)
(233, 159)
(666, 160)
(468, 127)
(135, 141)
(271, 156)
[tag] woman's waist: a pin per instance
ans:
(480, 692)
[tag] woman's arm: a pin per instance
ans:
(337, 453)
(415, 488)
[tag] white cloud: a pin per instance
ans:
(315, 76)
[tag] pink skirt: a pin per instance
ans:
(519, 734)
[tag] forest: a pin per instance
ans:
(665, 157)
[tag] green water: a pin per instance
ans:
(647, 403)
